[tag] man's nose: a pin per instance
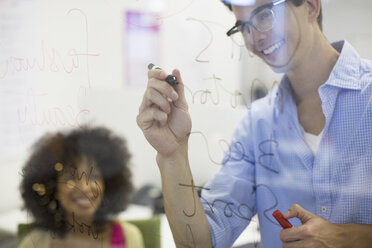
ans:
(257, 37)
(255, 40)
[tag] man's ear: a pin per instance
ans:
(313, 9)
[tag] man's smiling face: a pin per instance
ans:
(283, 45)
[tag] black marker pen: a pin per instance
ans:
(172, 80)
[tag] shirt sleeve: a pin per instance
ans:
(229, 198)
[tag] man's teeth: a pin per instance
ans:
(271, 49)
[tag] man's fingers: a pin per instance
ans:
(299, 244)
(295, 244)
(151, 116)
(160, 93)
(157, 80)
(296, 233)
(180, 88)
(157, 73)
(163, 88)
(154, 97)
(302, 232)
(297, 211)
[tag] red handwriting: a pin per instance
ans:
(51, 59)
(32, 113)
(178, 11)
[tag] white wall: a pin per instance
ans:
(350, 20)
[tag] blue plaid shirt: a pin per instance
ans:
(269, 165)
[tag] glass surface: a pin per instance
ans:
(66, 65)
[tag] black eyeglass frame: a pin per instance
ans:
(235, 28)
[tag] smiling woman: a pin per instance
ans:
(73, 184)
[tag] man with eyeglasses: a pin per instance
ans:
(306, 146)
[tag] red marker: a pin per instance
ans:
(282, 221)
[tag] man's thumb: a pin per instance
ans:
(297, 211)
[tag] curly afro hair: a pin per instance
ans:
(61, 150)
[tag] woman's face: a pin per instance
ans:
(80, 190)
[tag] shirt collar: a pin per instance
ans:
(345, 73)
(284, 93)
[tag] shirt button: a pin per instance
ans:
(324, 209)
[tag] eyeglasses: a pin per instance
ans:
(262, 19)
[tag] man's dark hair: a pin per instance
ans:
(110, 156)
(296, 3)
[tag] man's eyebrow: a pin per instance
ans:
(264, 6)
(254, 12)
